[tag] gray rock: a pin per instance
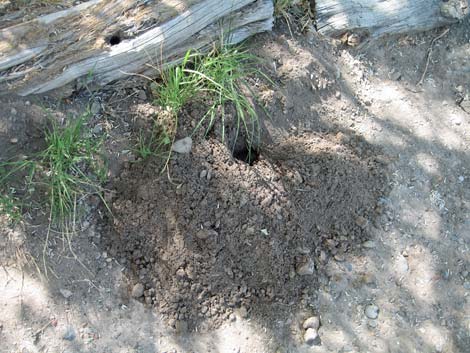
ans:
(401, 265)
(137, 290)
(311, 336)
(98, 129)
(204, 234)
(372, 311)
(95, 108)
(394, 75)
(452, 10)
(142, 95)
(183, 146)
(369, 244)
(243, 312)
(203, 174)
(65, 293)
(13, 111)
(312, 322)
(466, 285)
(306, 269)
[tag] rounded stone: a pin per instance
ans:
(310, 336)
(372, 311)
(311, 322)
(138, 290)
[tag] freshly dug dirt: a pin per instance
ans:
(220, 236)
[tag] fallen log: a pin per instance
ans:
(375, 18)
(101, 41)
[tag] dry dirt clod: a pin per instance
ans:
(138, 290)
(312, 322)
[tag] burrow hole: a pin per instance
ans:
(114, 39)
(246, 154)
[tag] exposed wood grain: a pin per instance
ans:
(57, 49)
(379, 17)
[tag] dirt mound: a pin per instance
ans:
(222, 235)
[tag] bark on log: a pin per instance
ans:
(378, 17)
(103, 41)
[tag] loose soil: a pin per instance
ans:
(221, 235)
(358, 195)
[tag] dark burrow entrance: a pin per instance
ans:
(246, 154)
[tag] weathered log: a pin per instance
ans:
(101, 41)
(378, 17)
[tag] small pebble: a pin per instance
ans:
(372, 323)
(243, 312)
(466, 285)
(95, 108)
(369, 244)
(65, 293)
(203, 234)
(306, 269)
(13, 111)
(203, 174)
(310, 336)
(312, 322)
(138, 290)
(142, 95)
(183, 146)
(97, 129)
(372, 311)
(14, 140)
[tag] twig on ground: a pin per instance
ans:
(428, 59)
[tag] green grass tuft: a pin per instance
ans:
(219, 79)
(67, 158)
(66, 170)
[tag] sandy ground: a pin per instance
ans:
(414, 270)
